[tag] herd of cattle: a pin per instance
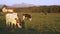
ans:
(13, 20)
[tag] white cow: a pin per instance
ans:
(12, 19)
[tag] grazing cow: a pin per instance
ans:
(27, 16)
(12, 19)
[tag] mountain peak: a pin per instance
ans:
(23, 5)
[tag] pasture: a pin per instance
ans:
(40, 24)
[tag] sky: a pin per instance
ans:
(35, 2)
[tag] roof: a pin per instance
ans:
(9, 7)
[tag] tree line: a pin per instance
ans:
(38, 9)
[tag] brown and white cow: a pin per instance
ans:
(27, 16)
(12, 19)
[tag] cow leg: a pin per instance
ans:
(7, 23)
(15, 25)
(23, 17)
(12, 25)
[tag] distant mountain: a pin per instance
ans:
(22, 5)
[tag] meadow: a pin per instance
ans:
(40, 24)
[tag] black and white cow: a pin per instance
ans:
(27, 16)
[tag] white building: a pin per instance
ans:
(7, 9)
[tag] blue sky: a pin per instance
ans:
(35, 2)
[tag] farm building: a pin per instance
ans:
(7, 9)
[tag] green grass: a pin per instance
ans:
(40, 24)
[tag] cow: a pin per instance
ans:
(12, 19)
(27, 16)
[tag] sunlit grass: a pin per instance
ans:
(39, 23)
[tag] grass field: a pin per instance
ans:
(40, 24)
